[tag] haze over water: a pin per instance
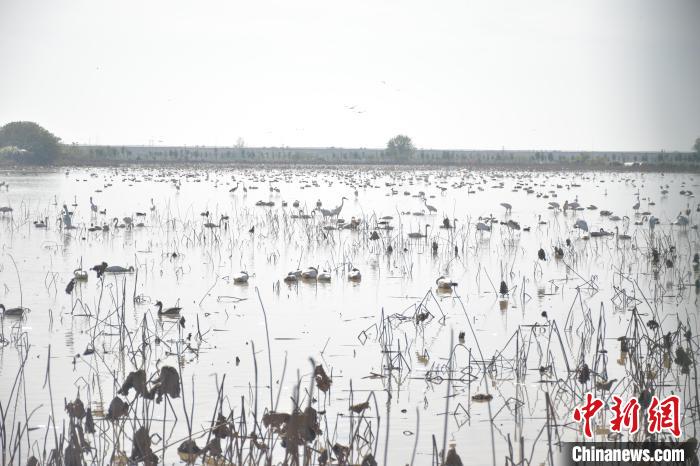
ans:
(389, 333)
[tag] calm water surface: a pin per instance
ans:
(364, 333)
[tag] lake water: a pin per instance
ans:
(389, 334)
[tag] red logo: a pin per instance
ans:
(627, 415)
(664, 415)
(661, 415)
(586, 412)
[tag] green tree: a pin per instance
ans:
(400, 146)
(42, 147)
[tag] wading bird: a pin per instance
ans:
(420, 235)
(170, 311)
(430, 208)
(13, 311)
(119, 269)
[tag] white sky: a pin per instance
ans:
(535, 74)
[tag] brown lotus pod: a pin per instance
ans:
(323, 382)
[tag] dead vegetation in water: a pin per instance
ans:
(565, 353)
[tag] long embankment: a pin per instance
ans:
(95, 155)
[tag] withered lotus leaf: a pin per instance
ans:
(117, 409)
(221, 428)
(168, 383)
(135, 380)
(76, 409)
(359, 407)
(141, 448)
(276, 420)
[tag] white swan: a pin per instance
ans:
(310, 274)
(241, 277)
(419, 235)
(354, 275)
(324, 277)
(581, 225)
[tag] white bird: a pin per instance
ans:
(119, 269)
(241, 277)
(573, 205)
(682, 221)
(354, 275)
(653, 221)
(66, 218)
(430, 208)
(291, 278)
(621, 236)
(444, 284)
(581, 225)
(310, 273)
(337, 210)
(419, 235)
(481, 226)
(324, 277)
(513, 225)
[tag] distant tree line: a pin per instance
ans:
(27, 142)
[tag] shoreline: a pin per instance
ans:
(546, 167)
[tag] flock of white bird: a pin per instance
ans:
(99, 221)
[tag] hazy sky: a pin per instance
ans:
(541, 74)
